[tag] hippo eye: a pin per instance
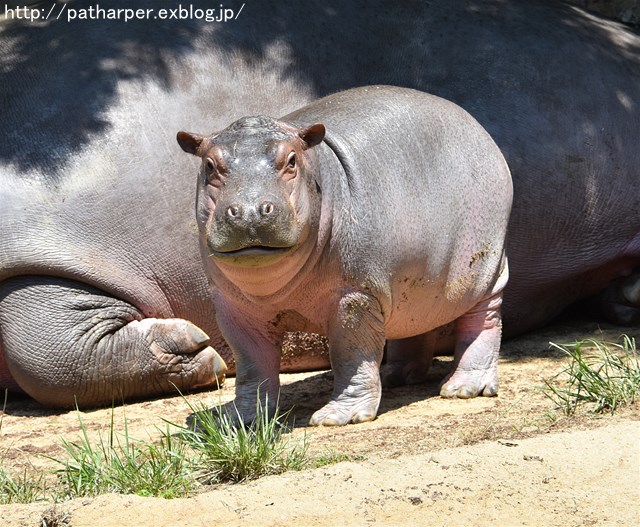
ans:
(291, 162)
(210, 165)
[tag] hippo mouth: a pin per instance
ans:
(251, 256)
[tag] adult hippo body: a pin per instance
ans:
(345, 234)
(93, 191)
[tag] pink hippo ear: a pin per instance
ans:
(190, 143)
(312, 135)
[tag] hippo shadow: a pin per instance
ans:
(303, 397)
(21, 405)
(576, 323)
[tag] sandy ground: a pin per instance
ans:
(424, 461)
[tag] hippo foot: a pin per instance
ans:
(179, 352)
(100, 349)
(346, 409)
(401, 374)
(468, 384)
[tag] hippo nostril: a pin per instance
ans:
(233, 211)
(266, 208)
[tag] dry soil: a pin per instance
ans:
(507, 460)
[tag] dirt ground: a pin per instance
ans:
(424, 461)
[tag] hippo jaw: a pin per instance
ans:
(260, 271)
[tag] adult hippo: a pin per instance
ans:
(96, 205)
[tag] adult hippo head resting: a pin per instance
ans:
(390, 225)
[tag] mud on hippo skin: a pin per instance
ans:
(343, 226)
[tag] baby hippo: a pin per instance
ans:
(371, 215)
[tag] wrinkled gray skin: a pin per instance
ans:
(347, 237)
(94, 192)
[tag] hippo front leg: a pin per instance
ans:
(356, 343)
(256, 350)
(65, 343)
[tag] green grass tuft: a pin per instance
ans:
(605, 375)
(24, 488)
(233, 451)
(125, 465)
(217, 448)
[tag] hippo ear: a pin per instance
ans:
(190, 142)
(312, 135)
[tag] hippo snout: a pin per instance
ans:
(252, 228)
(257, 219)
(263, 212)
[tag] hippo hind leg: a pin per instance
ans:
(475, 364)
(66, 342)
(407, 361)
(478, 339)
